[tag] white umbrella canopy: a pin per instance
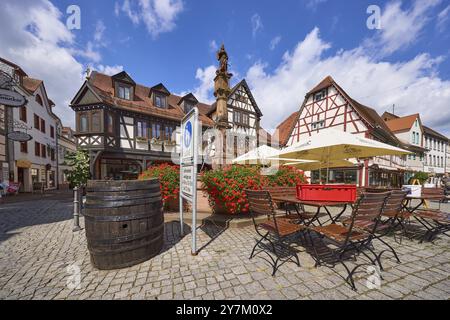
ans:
(331, 144)
(265, 155)
(320, 165)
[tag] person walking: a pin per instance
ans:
(446, 185)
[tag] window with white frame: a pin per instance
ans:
(318, 125)
(320, 95)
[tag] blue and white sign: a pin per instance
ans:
(190, 129)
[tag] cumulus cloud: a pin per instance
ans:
(204, 91)
(41, 44)
(400, 27)
(109, 70)
(157, 15)
(413, 85)
(257, 24)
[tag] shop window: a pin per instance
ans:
(24, 147)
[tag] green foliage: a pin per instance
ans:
(226, 187)
(287, 176)
(169, 178)
(79, 173)
(421, 176)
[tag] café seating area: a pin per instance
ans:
(352, 240)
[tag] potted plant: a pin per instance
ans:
(225, 188)
(156, 141)
(169, 177)
(141, 139)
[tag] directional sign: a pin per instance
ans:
(187, 182)
(188, 169)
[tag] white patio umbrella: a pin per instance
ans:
(320, 165)
(331, 144)
(265, 155)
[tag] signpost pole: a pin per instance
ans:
(188, 170)
(181, 181)
(194, 184)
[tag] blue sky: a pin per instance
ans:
(281, 48)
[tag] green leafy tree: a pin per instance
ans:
(80, 173)
(421, 176)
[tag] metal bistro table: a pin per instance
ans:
(407, 205)
(431, 223)
(317, 204)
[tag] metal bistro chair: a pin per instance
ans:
(350, 237)
(274, 231)
(293, 211)
(435, 221)
(393, 210)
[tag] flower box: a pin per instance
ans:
(323, 192)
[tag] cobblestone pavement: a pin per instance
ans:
(38, 248)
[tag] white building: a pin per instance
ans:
(35, 160)
(66, 145)
(435, 159)
(410, 131)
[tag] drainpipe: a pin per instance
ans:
(57, 156)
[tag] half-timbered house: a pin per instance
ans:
(327, 105)
(244, 118)
(126, 126)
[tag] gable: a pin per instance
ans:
(124, 77)
(86, 96)
(335, 110)
(242, 98)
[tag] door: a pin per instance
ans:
(21, 178)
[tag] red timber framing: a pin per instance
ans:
(329, 106)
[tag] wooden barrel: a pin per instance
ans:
(124, 222)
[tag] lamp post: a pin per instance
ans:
(76, 210)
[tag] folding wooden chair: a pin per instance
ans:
(353, 236)
(274, 232)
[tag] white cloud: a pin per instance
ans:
(443, 17)
(412, 85)
(213, 46)
(40, 43)
(109, 70)
(116, 9)
(274, 42)
(313, 4)
(204, 91)
(90, 52)
(256, 24)
(400, 28)
(157, 15)
(99, 31)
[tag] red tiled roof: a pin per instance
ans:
(31, 84)
(403, 123)
(286, 127)
(103, 85)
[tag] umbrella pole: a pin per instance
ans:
(328, 165)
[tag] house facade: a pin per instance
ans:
(430, 147)
(66, 145)
(126, 126)
(34, 160)
(328, 106)
(436, 157)
(410, 131)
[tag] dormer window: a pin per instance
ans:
(124, 92)
(160, 101)
(188, 106)
(320, 95)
